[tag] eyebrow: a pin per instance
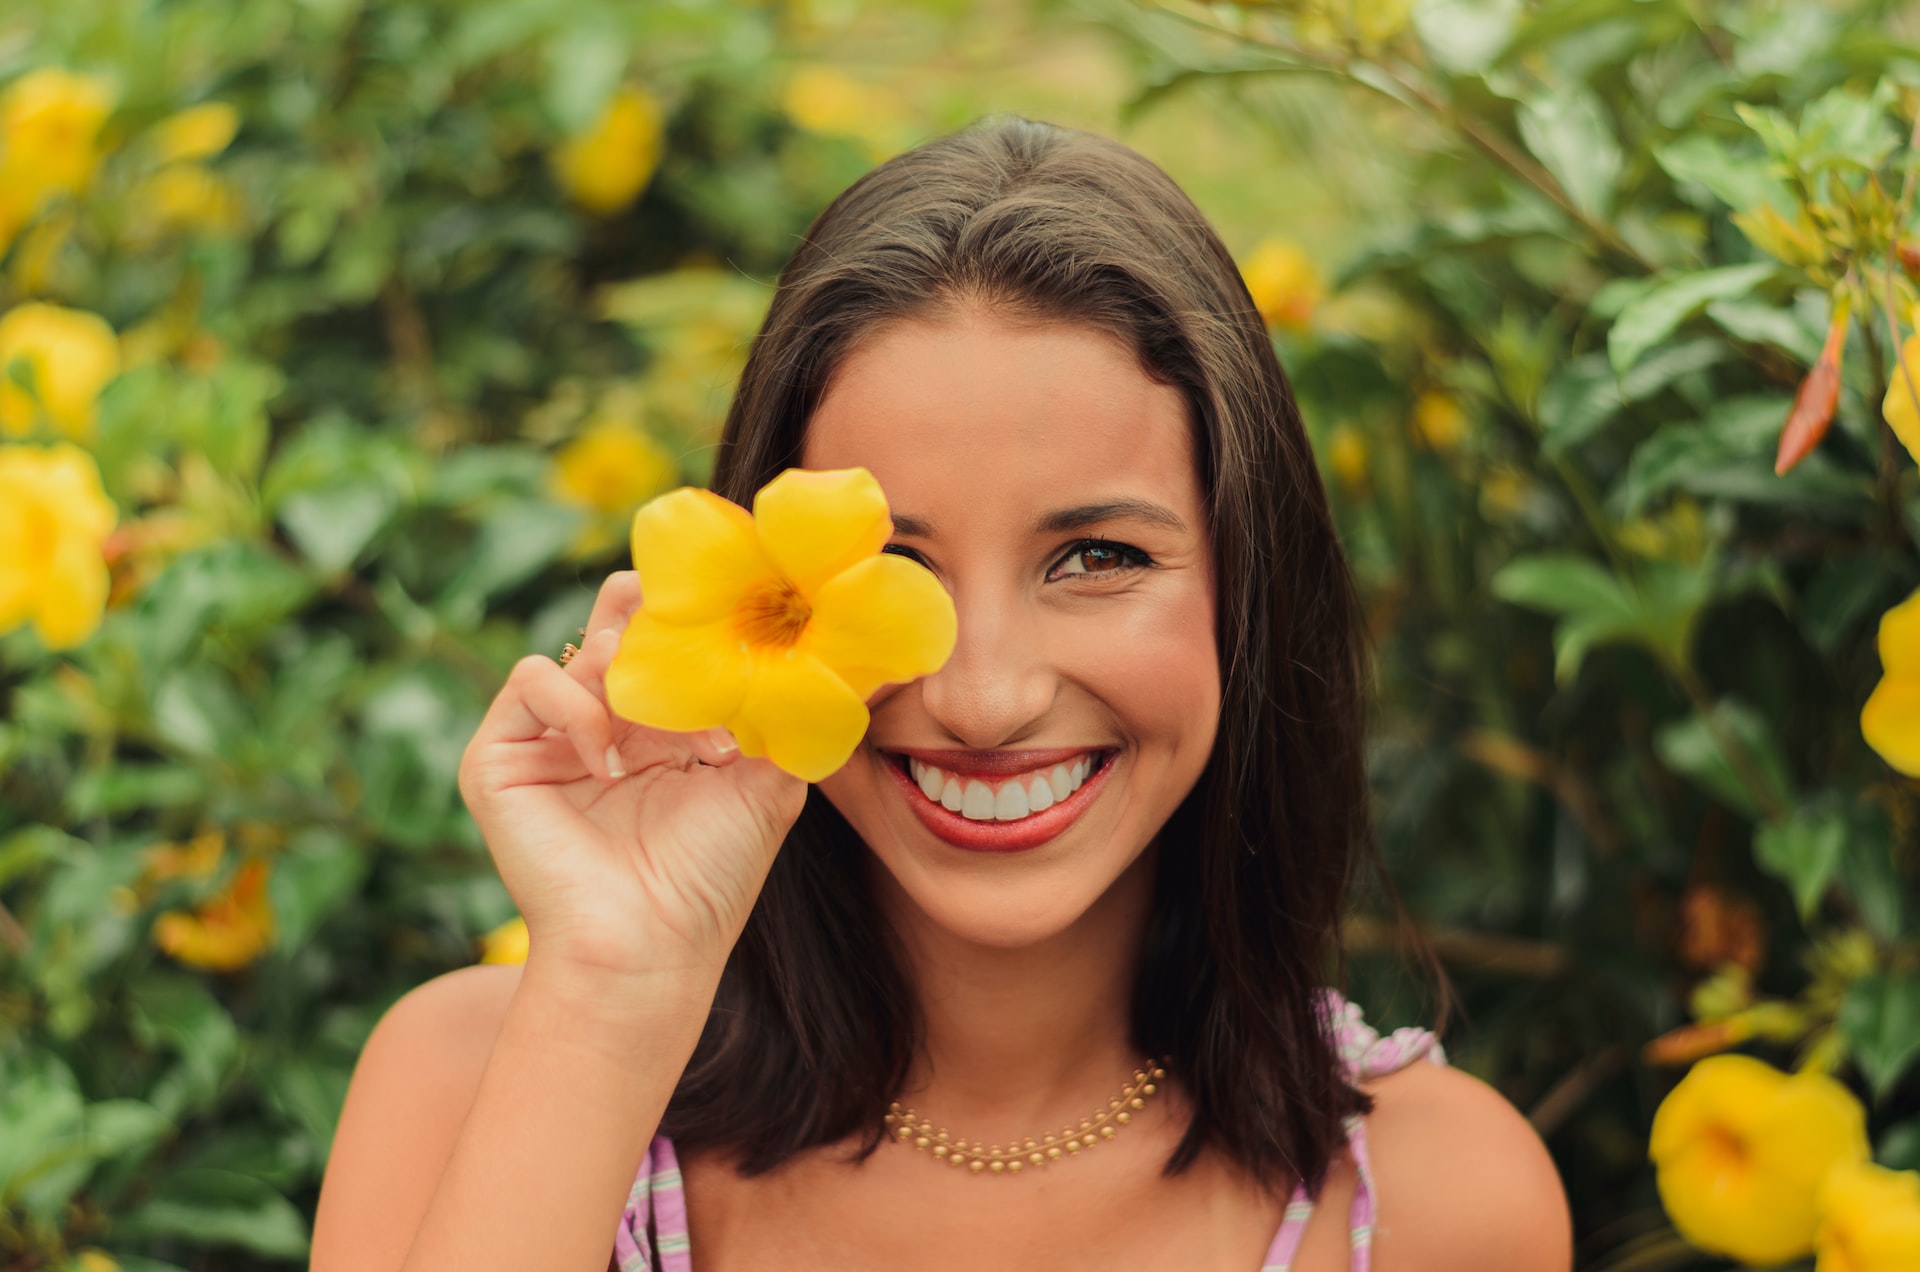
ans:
(1061, 520)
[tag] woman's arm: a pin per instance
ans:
(495, 1121)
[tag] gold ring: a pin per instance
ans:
(568, 650)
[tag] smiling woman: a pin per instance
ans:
(1078, 888)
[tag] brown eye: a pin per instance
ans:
(1096, 556)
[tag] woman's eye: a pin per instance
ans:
(901, 549)
(1096, 556)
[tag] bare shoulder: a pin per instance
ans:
(1462, 1180)
(411, 1090)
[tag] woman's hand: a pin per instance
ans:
(632, 852)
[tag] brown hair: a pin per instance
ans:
(814, 1023)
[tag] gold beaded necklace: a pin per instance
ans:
(909, 1127)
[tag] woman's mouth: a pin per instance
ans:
(1000, 802)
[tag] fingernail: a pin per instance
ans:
(614, 767)
(723, 741)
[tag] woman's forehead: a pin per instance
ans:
(980, 417)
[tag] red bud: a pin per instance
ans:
(1909, 254)
(1818, 398)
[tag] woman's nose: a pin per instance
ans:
(999, 683)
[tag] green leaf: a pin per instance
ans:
(175, 1011)
(584, 64)
(1804, 852)
(1738, 181)
(1691, 747)
(1464, 36)
(1568, 131)
(1563, 584)
(331, 525)
(1760, 323)
(1652, 317)
(1870, 878)
(1881, 1020)
(219, 1208)
(316, 874)
(1899, 1148)
(1586, 393)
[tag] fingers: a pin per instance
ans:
(619, 597)
(539, 695)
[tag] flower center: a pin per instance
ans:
(1727, 1151)
(773, 616)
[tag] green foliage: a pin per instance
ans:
(1621, 662)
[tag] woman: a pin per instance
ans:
(739, 987)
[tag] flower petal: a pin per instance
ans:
(799, 715)
(667, 676)
(73, 598)
(886, 620)
(1899, 638)
(1890, 722)
(816, 523)
(696, 555)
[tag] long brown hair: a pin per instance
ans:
(814, 1023)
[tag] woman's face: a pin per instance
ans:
(1053, 488)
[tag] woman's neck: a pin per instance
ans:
(1019, 1041)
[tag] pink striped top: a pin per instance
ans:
(652, 1236)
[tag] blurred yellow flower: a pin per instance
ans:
(1504, 491)
(824, 100)
(1347, 456)
(70, 355)
(50, 121)
(604, 168)
(1285, 286)
(1890, 721)
(225, 932)
(777, 625)
(506, 943)
(612, 466)
(94, 1260)
(1869, 1221)
(54, 518)
(197, 858)
(197, 132)
(1437, 422)
(1898, 405)
(1740, 1150)
(179, 199)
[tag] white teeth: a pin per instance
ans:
(1062, 782)
(1014, 799)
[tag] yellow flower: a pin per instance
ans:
(197, 132)
(180, 198)
(50, 122)
(1890, 721)
(54, 518)
(70, 354)
(604, 168)
(1504, 491)
(776, 625)
(1898, 405)
(611, 467)
(1347, 456)
(1285, 286)
(95, 1260)
(226, 932)
(1438, 423)
(824, 100)
(506, 943)
(1869, 1221)
(1740, 1150)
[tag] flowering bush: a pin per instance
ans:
(1614, 392)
